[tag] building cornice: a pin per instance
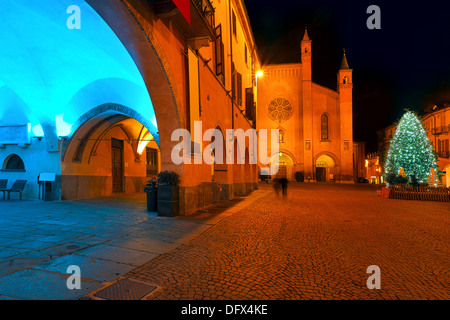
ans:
(243, 17)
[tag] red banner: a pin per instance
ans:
(185, 8)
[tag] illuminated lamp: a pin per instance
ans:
(143, 143)
(63, 129)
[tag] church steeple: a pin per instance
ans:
(345, 75)
(344, 63)
(305, 35)
(345, 90)
(306, 56)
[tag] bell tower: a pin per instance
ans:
(306, 56)
(307, 106)
(345, 90)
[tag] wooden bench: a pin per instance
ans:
(3, 186)
(18, 186)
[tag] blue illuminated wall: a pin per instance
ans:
(51, 75)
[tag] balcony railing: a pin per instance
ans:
(207, 12)
(202, 22)
(440, 130)
(445, 154)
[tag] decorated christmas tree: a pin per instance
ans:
(433, 179)
(410, 150)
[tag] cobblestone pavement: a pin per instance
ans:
(317, 244)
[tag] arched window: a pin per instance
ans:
(324, 127)
(345, 80)
(14, 162)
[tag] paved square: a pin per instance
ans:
(317, 244)
(42, 286)
(105, 237)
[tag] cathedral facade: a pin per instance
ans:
(315, 122)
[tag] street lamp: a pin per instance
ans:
(259, 74)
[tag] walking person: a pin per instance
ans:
(276, 186)
(284, 184)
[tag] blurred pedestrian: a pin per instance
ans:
(277, 186)
(284, 184)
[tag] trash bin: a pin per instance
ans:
(152, 196)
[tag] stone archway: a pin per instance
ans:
(325, 168)
(144, 48)
(105, 155)
(114, 58)
(285, 165)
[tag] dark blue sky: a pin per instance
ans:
(406, 64)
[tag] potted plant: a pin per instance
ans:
(299, 176)
(168, 193)
(401, 179)
(391, 178)
(413, 181)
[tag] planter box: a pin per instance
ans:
(167, 192)
(168, 200)
(385, 192)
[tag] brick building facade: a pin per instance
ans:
(315, 122)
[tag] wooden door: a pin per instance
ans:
(321, 174)
(282, 172)
(117, 165)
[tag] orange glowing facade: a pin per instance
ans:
(315, 122)
(373, 171)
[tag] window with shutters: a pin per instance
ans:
(246, 53)
(446, 148)
(219, 54)
(249, 104)
(443, 148)
(239, 88)
(233, 82)
(234, 23)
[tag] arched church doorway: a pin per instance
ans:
(325, 167)
(285, 166)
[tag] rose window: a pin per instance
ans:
(280, 110)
